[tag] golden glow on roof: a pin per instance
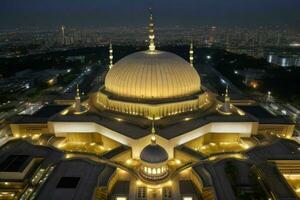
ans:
(153, 139)
(293, 180)
(64, 112)
(187, 119)
(177, 161)
(119, 119)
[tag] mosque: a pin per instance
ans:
(153, 120)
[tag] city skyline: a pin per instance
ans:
(149, 100)
(124, 13)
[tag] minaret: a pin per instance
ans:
(77, 101)
(226, 105)
(63, 34)
(151, 32)
(110, 56)
(191, 54)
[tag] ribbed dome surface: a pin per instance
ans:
(155, 75)
(154, 153)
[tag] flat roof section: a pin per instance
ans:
(41, 116)
(274, 180)
(68, 182)
(138, 127)
(22, 147)
(257, 111)
(49, 110)
(280, 149)
(74, 179)
(15, 163)
(265, 117)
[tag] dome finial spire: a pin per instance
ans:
(110, 55)
(227, 100)
(153, 138)
(151, 32)
(191, 53)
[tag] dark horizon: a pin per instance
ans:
(115, 13)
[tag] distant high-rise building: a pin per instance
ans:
(63, 34)
(284, 59)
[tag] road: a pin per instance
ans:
(216, 82)
(85, 80)
(77, 81)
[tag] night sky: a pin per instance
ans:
(97, 13)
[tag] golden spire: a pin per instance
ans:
(227, 98)
(153, 127)
(151, 32)
(77, 92)
(153, 138)
(226, 107)
(191, 54)
(110, 56)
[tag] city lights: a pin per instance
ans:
(189, 105)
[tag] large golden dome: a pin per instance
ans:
(152, 75)
(152, 84)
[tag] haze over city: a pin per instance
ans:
(95, 13)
